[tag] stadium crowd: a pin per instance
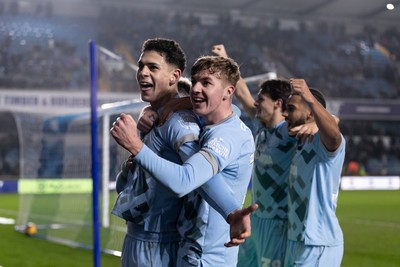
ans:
(34, 54)
(345, 65)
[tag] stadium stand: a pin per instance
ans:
(43, 51)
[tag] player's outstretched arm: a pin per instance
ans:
(242, 91)
(327, 124)
(240, 225)
(306, 131)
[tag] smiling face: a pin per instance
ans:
(157, 79)
(266, 109)
(211, 96)
(297, 112)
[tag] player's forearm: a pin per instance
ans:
(328, 127)
(220, 196)
(242, 92)
(244, 96)
(179, 179)
(134, 147)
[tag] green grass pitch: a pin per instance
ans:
(370, 221)
(17, 249)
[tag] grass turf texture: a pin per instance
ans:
(17, 249)
(370, 221)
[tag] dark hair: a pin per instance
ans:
(319, 96)
(276, 89)
(169, 49)
(219, 66)
(184, 85)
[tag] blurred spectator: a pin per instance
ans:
(362, 65)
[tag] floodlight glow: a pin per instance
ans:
(390, 6)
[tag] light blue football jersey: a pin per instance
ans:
(313, 191)
(227, 149)
(270, 179)
(274, 153)
(152, 208)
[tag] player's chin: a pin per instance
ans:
(289, 125)
(147, 95)
(199, 109)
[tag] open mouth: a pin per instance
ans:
(145, 85)
(198, 100)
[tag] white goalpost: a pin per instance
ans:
(55, 184)
(108, 110)
(56, 168)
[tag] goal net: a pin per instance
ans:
(55, 183)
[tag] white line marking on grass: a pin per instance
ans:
(374, 223)
(4, 220)
(50, 218)
(12, 212)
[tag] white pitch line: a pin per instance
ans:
(48, 217)
(12, 212)
(4, 220)
(374, 223)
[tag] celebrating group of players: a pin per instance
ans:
(182, 189)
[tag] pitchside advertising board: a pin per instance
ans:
(72, 102)
(76, 186)
(47, 186)
(365, 109)
(56, 102)
(370, 183)
(78, 101)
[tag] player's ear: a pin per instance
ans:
(278, 104)
(175, 76)
(228, 92)
(310, 115)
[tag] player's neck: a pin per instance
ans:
(161, 101)
(277, 118)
